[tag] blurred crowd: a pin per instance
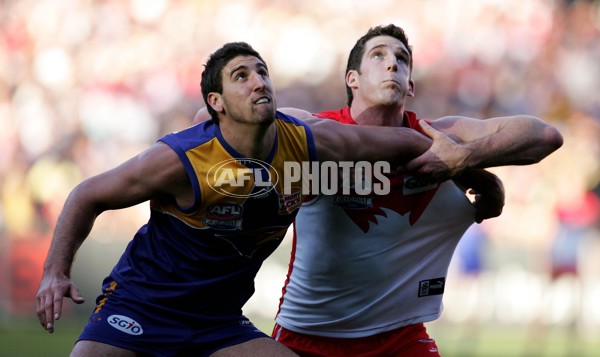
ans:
(86, 84)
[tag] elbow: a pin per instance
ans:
(550, 137)
(553, 138)
(83, 197)
(557, 139)
(550, 141)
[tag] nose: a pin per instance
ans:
(258, 82)
(392, 64)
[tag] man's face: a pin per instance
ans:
(384, 77)
(247, 91)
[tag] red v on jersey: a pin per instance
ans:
(399, 200)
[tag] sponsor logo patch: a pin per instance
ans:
(414, 185)
(432, 287)
(125, 324)
(353, 202)
(224, 215)
(288, 203)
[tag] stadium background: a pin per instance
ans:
(86, 84)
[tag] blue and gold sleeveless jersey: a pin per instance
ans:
(202, 260)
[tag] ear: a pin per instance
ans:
(215, 101)
(411, 88)
(352, 79)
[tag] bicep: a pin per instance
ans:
(332, 141)
(154, 173)
(297, 113)
(340, 142)
(465, 129)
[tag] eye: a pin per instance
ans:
(402, 58)
(377, 54)
(263, 72)
(240, 76)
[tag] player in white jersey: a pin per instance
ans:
(367, 271)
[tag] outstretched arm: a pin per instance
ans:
(133, 182)
(339, 142)
(516, 140)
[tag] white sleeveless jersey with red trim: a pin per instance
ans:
(363, 265)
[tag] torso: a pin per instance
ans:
(202, 259)
(365, 265)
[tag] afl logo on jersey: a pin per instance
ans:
(125, 324)
(230, 177)
(225, 215)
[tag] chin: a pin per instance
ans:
(265, 118)
(392, 99)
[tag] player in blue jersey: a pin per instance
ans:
(219, 206)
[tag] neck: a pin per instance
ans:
(251, 140)
(377, 115)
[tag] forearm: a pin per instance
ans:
(396, 145)
(520, 140)
(368, 143)
(72, 228)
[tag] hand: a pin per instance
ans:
(488, 190)
(445, 158)
(50, 296)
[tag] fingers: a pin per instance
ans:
(41, 311)
(57, 308)
(76, 295)
(47, 304)
(428, 129)
(50, 302)
(47, 313)
(486, 208)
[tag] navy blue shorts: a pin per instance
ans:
(124, 320)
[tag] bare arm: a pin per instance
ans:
(339, 142)
(137, 180)
(516, 140)
(297, 113)
(487, 187)
(527, 139)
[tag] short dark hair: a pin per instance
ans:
(212, 80)
(357, 52)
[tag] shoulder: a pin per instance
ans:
(342, 115)
(190, 137)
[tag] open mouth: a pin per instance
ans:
(262, 100)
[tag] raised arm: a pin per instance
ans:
(137, 180)
(515, 140)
